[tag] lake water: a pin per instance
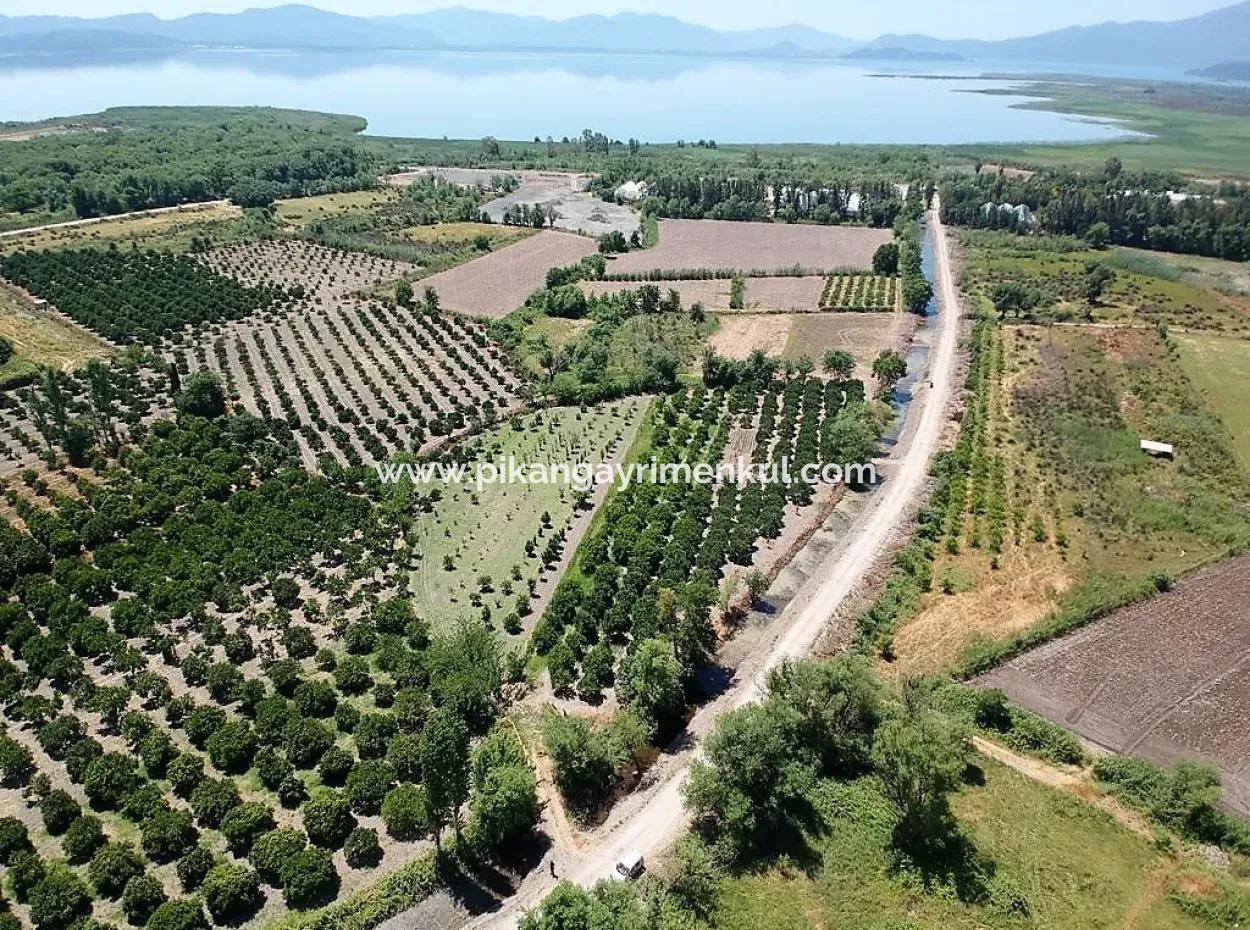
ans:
(520, 95)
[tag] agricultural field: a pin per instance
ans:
(1048, 511)
(1219, 367)
(164, 229)
(1144, 289)
(459, 233)
(811, 335)
(301, 212)
(1163, 679)
(358, 380)
(319, 273)
(498, 282)
(874, 293)
(751, 248)
(531, 527)
(241, 715)
(1027, 849)
(577, 210)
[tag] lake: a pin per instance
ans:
(657, 98)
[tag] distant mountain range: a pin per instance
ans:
(1197, 42)
(1226, 71)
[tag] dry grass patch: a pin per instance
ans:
(145, 229)
(44, 338)
(740, 334)
(300, 211)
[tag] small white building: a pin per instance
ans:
(1159, 450)
(631, 191)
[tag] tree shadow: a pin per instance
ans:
(943, 856)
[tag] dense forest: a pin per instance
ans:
(134, 160)
(1113, 207)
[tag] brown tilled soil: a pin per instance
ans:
(753, 247)
(1167, 679)
(496, 284)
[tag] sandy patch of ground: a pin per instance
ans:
(741, 334)
(579, 210)
(784, 293)
(762, 247)
(864, 335)
(497, 283)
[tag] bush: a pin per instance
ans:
(13, 838)
(243, 825)
(112, 867)
(309, 879)
(84, 836)
(178, 915)
(406, 813)
(272, 850)
(328, 819)
(59, 810)
(232, 747)
(504, 805)
(367, 784)
(193, 866)
(143, 895)
(59, 899)
(231, 894)
(168, 835)
(361, 849)
(213, 799)
(335, 765)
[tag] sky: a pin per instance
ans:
(980, 19)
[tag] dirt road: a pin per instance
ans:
(654, 817)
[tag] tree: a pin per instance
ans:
(242, 826)
(885, 259)
(839, 363)
(1098, 278)
(231, 893)
(194, 865)
(309, 879)
(888, 368)
(168, 834)
(272, 850)
(182, 914)
(406, 813)
(403, 293)
(1113, 168)
(84, 836)
(112, 867)
(1014, 298)
(59, 899)
(838, 708)
(920, 759)
(59, 810)
(445, 767)
(367, 784)
(232, 747)
(143, 895)
(753, 780)
(6, 351)
(328, 819)
(362, 850)
(585, 759)
(1098, 235)
(213, 799)
(14, 838)
(335, 765)
(504, 805)
(650, 680)
(202, 396)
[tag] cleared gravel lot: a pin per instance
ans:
(497, 283)
(733, 246)
(1167, 679)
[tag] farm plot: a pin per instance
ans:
(250, 695)
(565, 192)
(1164, 679)
(712, 293)
(874, 293)
(811, 335)
(40, 337)
(1220, 368)
(529, 527)
(310, 270)
(497, 283)
(751, 248)
(357, 380)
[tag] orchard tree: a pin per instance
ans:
(112, 867)
(445, 767)
(885, 259)
(889, 368)
(839, 363)
(59, 899)
(309, 879)
(406, 813)
(231, 893)
(180, 914)
(202, 396)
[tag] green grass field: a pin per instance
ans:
(484, 533)
(1037, 859)
(1220, 368)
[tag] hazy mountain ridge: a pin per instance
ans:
(1218, 36)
